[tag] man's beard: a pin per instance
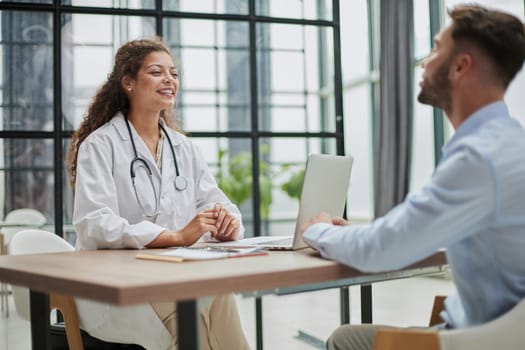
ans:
(435, 90)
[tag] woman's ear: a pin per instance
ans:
(127, 83)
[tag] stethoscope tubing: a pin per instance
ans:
(180, 181)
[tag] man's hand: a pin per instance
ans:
(339, 221)
(322, 217)
(325, 218)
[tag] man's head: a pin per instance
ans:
(488, 42)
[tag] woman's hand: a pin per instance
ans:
(227, 225)
(205, 221)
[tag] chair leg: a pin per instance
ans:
(2, 295)
(3, 286)
(439, 305)
(67, 307)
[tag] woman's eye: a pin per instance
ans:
(155, 73)
(175, 75)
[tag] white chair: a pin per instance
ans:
(35, 242)
(20, 219)
(505, 332)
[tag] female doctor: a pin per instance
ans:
(140, 183)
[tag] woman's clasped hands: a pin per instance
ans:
(222, 225)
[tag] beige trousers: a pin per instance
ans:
(219, 324)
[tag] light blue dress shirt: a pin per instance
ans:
(474, 206)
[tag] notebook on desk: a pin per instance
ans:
(324, 189)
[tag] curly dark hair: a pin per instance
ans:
(111, 97)
(500, 36)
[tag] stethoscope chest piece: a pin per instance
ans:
(181, 183)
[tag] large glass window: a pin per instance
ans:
(215, 73)
(360, 81)
(26, 112)
(87, 56)
(296, 88)
(307, 9)
(259, 92)
(208, 6)
(26, 51)
(423, 126)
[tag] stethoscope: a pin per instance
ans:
(181, 183)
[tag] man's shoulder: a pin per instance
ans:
(495, 137)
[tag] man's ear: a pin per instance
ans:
(461, 66)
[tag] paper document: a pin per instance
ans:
(200, 253)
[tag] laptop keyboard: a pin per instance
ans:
(279, 241)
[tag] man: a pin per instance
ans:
(474, 205)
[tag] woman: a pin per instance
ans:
(139, 183)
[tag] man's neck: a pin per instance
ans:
(464, 105)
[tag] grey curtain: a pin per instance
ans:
(393, 127)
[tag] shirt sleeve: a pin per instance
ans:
(457, 203)
(96, 213)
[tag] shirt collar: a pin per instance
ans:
(491, 111)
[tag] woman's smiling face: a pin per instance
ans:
(156, 84)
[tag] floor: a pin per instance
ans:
(405, 302)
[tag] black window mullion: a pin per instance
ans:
(57, 121)
(338, 79)
(254, 119)
(436, 19)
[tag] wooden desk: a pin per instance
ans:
(116, 277)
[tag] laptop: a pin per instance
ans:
(325, 188)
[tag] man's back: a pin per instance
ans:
(489, 264)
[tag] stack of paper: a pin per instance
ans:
(200, 253)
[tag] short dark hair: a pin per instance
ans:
(499, 35)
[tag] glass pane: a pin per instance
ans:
(29, 1)
(358, 143)
(516, 7)
(354, 48)
(87, 56)
(230, 161)
(281, 168)
(208, 6)
(215, 73)
(305, 9)
(422, 40)
(128, 4)
(295, 78)
(422, 139)
(67, 195)
(26, 52)
(26, 174)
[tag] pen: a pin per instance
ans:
(217, 249)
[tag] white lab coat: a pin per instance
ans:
(107, 215)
